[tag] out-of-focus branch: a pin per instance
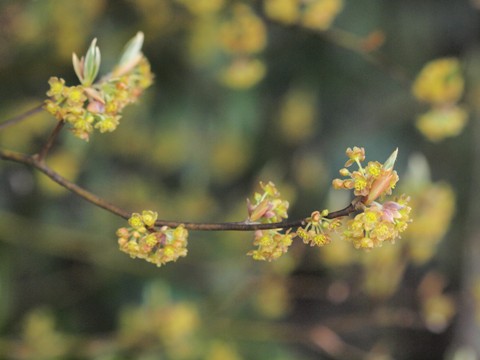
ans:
(21, 117)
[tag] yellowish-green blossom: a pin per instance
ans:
(143, 241)
(99, 105)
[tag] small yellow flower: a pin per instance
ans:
(75, 95)
(107, 124)
(371, 217)
(355, 155)
(373, 168)
(52, 107)
(169, 252)
(123, 233)
(136, 221)
(344, 172)
(180, 233)
(360, 183)
(383, 231)
(56, 87)
(149, 217)
(365, 243)
(320, 240)
(270, 189)
(338, 184)
(151, 240)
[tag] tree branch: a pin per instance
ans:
(40, 157)
(40, 165)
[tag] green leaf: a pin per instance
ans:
(132, 49)
(391, 160)
(92, 64)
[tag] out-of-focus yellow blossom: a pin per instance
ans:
(297, 116)
(310, 171)
(442, 122)
(202, 7)
(383, 271)
(203, 40)
(440, 81)
(229, 157)
(438, 308)
(179, 322)
(156, 15)
(433, 207)
(219, 350)
(437, 312)
(41, 339)
(159, 319)
(243, 73)
(284, 11)
(74, 18)
(319, 14)
(272, 298)
(157, 247)
(244, 33)
(171, 148)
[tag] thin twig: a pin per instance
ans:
(98, 201)
(74, 188)
(21, 117)
(355, 43)
(40, 157)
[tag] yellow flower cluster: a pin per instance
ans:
(142, 241)
(268, 207)
(440, 83)
(271, 244)
(312, 14)
(441, 122)
(98, 106)
(316, 232)
(378, 223)
(371, 182)
(242, 37)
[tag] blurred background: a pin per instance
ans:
(244, 91)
